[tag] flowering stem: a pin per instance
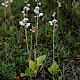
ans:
(37, 28)
(26, 40)
(53, 46)
(31, 47)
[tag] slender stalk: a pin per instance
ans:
(5, 14)
(37, 28)
(31, 46)
(26, 40)
(53, 46)
(36, 36)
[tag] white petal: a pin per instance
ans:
(11, 0)
(3, 4)
(27, 25)
(25, 19)
(40, 14)
(37, 8)
(26, 8)
(54, 21)
(7, 2)
(35, 11)
(28, 5)
(21, 23)
(50, 22)
(39, 3)
(6, 5)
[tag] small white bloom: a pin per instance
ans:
(3, 4)
(39, 3)
(25, 20)
(53, 15)
(27, 25)
(36, 10)
(59, 4)
(6, 2)
(54, 21)
(11, 0)
(26, 8)
(40, 14)
(21, 23)
(28, 5)
(6, 5)
(50, 22)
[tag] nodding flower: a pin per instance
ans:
(36, 10)
(24, 22)
(6, 3)
(40, 14)
(59, 4)
(54, 21)
(26, 8)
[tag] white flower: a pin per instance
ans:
(50, 22)
(3, 4)
(27, 25)
(25, 20)
(36, 10)
(59, 4)
(53, 15)
(39, 3)
(54, 21)
(26, 8)
(21, 23)
(28, 5)
(11, 0)
(6, 5)
(40, 14)
(6, 2)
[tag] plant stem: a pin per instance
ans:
(31, 47)
(26, 39)
(53, 46)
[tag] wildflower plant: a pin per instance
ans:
(53, 69)
(37, 15)
(6, 4)
(24, 22)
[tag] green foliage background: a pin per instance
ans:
(67, 38)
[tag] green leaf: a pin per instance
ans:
(32, 65)
(50, 70)
(36, 70)
(22, 75)
(54, 68)
(40, 59)
(27, 72)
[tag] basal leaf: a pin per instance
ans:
(40, 59)
(32, 65)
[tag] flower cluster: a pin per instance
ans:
(6, 3)
(54, 21)
(33, 30)
(59, 4)
(24, 22)
(36, 10)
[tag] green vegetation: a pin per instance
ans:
(39, 49)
